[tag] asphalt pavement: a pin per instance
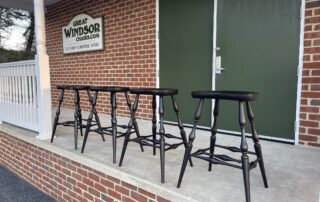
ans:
(15, 189)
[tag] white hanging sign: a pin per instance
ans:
(83, 34)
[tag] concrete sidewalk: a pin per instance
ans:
(14, 189)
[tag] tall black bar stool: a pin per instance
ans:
(77, 122)
(244, 98)
(111, 130)
(152, 140)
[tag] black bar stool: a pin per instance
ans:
(151, 140)
(111, 130)
(77, 122)
(244, 98)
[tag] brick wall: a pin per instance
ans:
(310, 98)
(64, 179)
(129, 58)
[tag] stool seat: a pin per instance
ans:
(109, 88)
(73, 87)
(226, 95)
(154, 91)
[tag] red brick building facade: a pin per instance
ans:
(310, 96)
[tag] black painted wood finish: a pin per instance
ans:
(110, 130)
(77, 123)
(152, 140)
(244, 99)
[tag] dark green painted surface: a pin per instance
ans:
(186, 53)
(259, 42)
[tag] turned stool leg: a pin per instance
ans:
(257, 146)
(86, 133)
(76, 117)
(187, 154)
(214, 130)
(180, 125)
(244, 150)
(162, 141)
(93, 109)
(154, 123)
(136, 128)
(56, 119)
(80, 114)
(114, 124)
(130, 125)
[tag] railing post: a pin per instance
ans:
(43, 73)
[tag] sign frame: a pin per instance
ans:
(101, 38)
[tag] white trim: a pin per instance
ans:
(19, 63)
(261, 136)
(157, 46)
(157, 52)
(43, 73)
(300, 69)
(235, 133)
(214, 53)
(188, 125)
(299, 74)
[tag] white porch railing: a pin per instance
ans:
(18, 94)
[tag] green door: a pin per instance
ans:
(186, 53)
(259, 47)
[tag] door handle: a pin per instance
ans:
(218, 67)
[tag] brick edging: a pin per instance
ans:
(64, 179)
(309, 132)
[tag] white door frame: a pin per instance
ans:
(300, 69)
(296, 129)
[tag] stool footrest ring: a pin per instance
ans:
(221, 159)
(148, 141)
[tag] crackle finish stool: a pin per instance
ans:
(77, 123)
(156, 139)
(111, 130)
(244, 99)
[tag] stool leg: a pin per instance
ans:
(136, 128)
(130, 125)
(56, 119)
(257, 146)
(76, 117)
(187, 154)
(95, 111)
(79, 114)
(114, 124)
(244, 150)
(86, 133)
(180, 125)
(154, 123)
(214, 131)
(162, 141)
